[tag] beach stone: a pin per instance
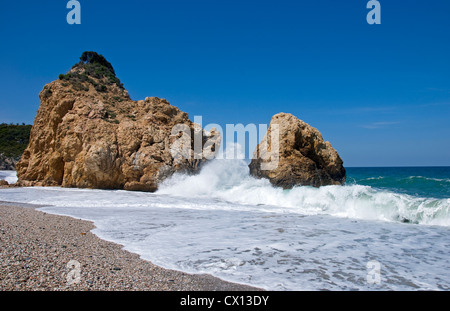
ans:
(88, 133)
(303, 157)
(31, 264)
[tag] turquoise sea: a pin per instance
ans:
(432, 182)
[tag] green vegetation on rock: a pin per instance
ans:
(92, 65)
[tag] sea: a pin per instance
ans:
(388, 228)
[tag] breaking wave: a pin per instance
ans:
(229, 180)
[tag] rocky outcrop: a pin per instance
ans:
(7, 163)
(88, 133)
(299, 157)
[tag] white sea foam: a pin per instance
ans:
(375, 178)
(430, 178)
(9, 176)
(228, 180)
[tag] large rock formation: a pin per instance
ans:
(299, 157)
(88, 133)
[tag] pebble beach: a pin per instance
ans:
(44, 252)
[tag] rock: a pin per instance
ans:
(88, 133)
(304, 158)
(3, 183)
(7, 163)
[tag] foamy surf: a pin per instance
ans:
(9, 176)
(231, 225)
(229, 181)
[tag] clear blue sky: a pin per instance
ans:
(379, 93)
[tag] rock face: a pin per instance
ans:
(88, 133)
(304, 158)
(7, 163)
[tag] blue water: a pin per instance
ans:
(430, 182)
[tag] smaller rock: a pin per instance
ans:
(299, 157)
(3, 183)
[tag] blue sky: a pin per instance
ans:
(379, 93)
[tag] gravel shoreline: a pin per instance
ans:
(36, 248)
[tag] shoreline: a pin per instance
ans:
(36, 248)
